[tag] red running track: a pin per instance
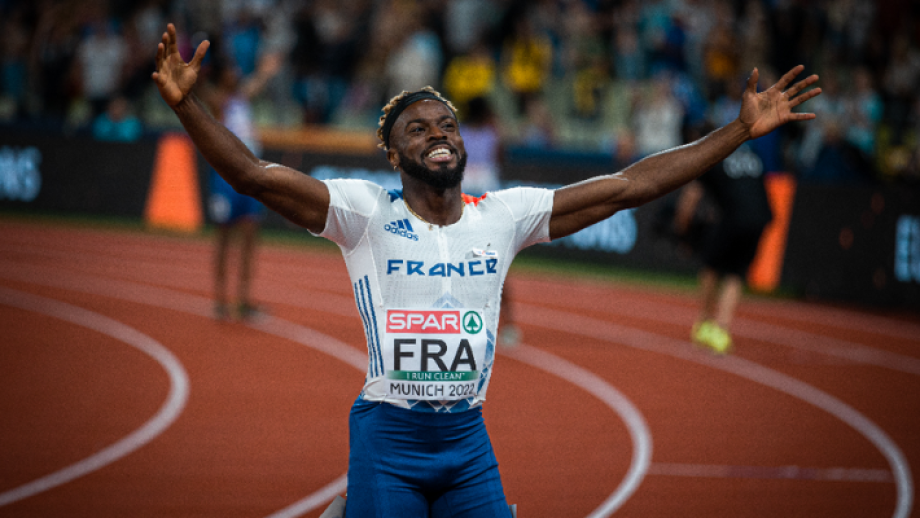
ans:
(121, 396)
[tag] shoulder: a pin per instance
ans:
(360, 195)
(520, 200)
(352, 186)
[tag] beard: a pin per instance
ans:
(441, 178)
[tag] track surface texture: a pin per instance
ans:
(122, 395)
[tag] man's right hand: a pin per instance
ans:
(174, 77)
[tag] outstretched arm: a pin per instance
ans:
(582, 204)
(296, 196)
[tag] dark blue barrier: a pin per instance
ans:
(858, 244)
(53, 173)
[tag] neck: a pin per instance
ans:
(435, 206)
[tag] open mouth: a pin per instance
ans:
(440, 153)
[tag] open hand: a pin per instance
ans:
(762, 112)
(174, 77)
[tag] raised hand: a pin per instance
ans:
(174, 77)
(762, 112)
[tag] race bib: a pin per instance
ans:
(434, 354)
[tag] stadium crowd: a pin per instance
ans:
(624, 77)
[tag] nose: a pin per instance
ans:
(436, 133)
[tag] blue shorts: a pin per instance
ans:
(226, 206)
(404, 463)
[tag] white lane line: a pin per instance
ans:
(841, 318)
(675, 314)
(904, 480)
(647, 341)
(169, 411)
(201, 306)
(770, 333)
(670, 469)
(601, 389)
(151, 247)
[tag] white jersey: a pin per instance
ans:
(429, 296)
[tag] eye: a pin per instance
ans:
(416, 130)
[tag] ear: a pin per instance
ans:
(393, 158)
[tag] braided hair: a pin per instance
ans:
(394, 102)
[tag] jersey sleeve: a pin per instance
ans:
(351, 205)
(531, 208)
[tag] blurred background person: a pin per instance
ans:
(230, 102)
(484, 141)
(736, 186)
(117, 123)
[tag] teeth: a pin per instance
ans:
(439, 152)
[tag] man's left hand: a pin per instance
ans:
(762, 112)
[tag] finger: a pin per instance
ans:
(752, 81)
(798, 87)
(161, 56)
(802, 116)
(789, 76)
(804, 97)
(202, 49)
(171, 41)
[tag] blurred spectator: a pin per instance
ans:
(690, 97)
(325, 53)
(654, 25)
(564, 71)
(658, 118)
(754, 31)
(242, 37)
(721, 51)
(101, 59)
(829, 109)
(538, 130)
(585, 62)
(483, 139)
(469, 76)
(901, 80)
(727, 104)
(526, 60)
(697, 19)
(466, 24)
(417, 59)
(14, 46)
(628, 56)
(864, 110)
(117, 123)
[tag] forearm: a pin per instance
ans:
(219, 146)
(661, 173)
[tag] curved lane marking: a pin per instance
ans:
(900, 468)
(201, 306)
(169, 411)
(676, 314)
(601, 389)
(769, 333)
(647, 341)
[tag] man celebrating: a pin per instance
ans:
(427, 265)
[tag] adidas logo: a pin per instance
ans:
(401, 227)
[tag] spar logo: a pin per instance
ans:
(426, 321)
(472, 322)
(401, 227)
